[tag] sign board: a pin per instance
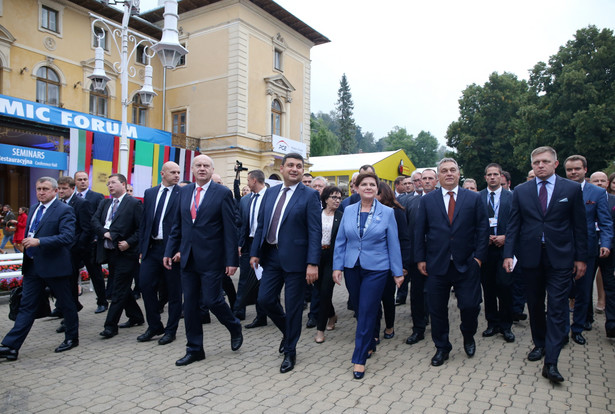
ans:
(286, 146)
(45, 114)
(33, 157)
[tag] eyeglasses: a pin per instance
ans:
(336, 197)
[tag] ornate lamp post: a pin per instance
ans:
(169, 50)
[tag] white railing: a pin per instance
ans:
(10, 259)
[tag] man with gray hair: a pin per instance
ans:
(50, 233)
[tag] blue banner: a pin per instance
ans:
(45, 114)
(33, 157)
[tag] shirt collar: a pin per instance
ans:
(454, 190)
(119, 199)
(550, 180)
(50, 203)
(497, 192)
(583, 185)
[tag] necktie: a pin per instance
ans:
(80, 195)
(492, 210)
(195, 203)
(114, 207)
(34, 226)
(451, 206)
(253, 207)
(542, 196)
(275, 220)
(158, 213)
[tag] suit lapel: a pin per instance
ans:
(534, 196)
(120, 208)
(210, 195)
(172, 199)
(557, 192)
(461, 198)
(440, 202)
(376, 218)
(293, 200)
(46, 214)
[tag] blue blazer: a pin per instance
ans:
(56, 232)
(436, 240)
(212, 238)
(597, 211)
(564, 225)
(149, 210)
(504, 209)
(300, 228)
(378, 249)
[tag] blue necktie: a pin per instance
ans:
(158, 213)
(34, 227)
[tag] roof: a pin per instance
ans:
(348, 162)
(269, 6)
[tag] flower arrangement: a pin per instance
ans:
(9, 283)
(85, 276)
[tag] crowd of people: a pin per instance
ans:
(428, 237)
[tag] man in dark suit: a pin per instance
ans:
(547, 232)
(597, 216)
(49, 236)
(82, 184)
(287, 243)
(159, 204)
(204, 239)
(497, 284)
(248, 285)
(451, 239)
(116, 224)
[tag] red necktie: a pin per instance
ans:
(195, 204)
(451, 206)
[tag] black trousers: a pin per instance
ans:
(324, 285)
(497, 290)
(122, 268)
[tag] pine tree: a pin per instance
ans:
(344, 109)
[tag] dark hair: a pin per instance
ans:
(67, 179)
(577, 158)
(308, 175)
(24, 209)
(368, 167)
(294, 156)
(327, 192)
(399, 179)
(120, 177)
(506, 174)
(258, 175)
(386, 196)
(493, 164)
(608, 187)
(365, 175)
(185, 182)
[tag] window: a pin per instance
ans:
(49, 19)
(277, 59)
(139, 111)
(141, 56)
(276, 117)
(182, 60)
(179, 122)
(98, 102)
(47, 86)
(104, 41)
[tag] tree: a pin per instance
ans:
(398, 138)
(344, 108)
(424, 152)
(323, 141)
(365, 142)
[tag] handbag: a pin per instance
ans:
(44, 309)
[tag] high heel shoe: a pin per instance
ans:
(371, 352)
(358, 374)
(320, 337)
(331, 323)
(388, 335)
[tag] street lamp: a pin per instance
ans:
(169, 50)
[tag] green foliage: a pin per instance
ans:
(323, 140)
(398, 138)
(425, 150)
(344, 110)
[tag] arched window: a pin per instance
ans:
(139, 111)
(47, 86)
(98, 102)
(276, 117)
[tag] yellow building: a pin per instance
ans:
(241, 93)
(338, 169)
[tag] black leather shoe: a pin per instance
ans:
(566, 341)
(491, 331)
(578, 338)
(358, 375)
(189, 358)
(587, 326)
(61, 328)
(550, 371)
(9, 353)
(108, 333)
(130, 324)
(236, 342)
(281, 349)
(56, 313)
(439, 358)
(508, 335)
(398, 302)
(536, 354)
(256, 323)
(414, 338)
(470, 348)
(388, 335)
(519, 317)
(149, 334)
(101, 308)
(288, 364)
(206, 318)
(311, 323)
(68, 344)
(610, 333)
(240, 315)
(167, 338)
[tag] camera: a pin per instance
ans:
(239, 166)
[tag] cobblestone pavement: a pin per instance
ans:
(121, 375)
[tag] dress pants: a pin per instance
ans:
(519, 288)
(87, 256)
(468, 293)
(274, 277)
(123, 268)
(365, 287)
(418, 300)
(152, 274)
(607, 268)
(582, 293)
(548, 329)
(402, 292)
(325, 285)
(33, 288)
(204, 287)
(388, 306)
(497, 290)
(248, 285)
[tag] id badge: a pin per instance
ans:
(30, 234)
(493, 222)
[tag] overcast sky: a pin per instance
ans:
(407, 61)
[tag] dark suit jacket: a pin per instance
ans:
(436, 240)
(354, 198)
(83, 226)
(212, 238)
(611, 201)
(597, 211)
(504, 209)
(411, 206)
(56, 232)
(300, 228)
(94, 199)
(124, 227)
(244, 214)
(149, 210)
(564, 225)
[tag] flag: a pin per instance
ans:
(144, 158)
(80, 151)
(102, 161)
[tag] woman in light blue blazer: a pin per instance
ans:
(367, 250)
